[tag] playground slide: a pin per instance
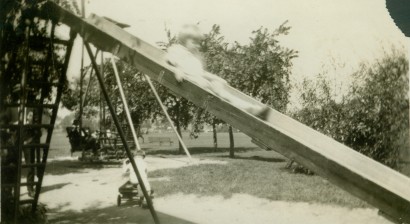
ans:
(363, 177)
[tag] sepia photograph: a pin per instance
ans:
(205, 112)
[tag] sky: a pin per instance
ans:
(330, 35)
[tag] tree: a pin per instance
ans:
(260, 69)
(320, 108)
(379, 124)
(372, 117)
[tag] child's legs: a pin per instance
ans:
(220, 89)
(200, 81)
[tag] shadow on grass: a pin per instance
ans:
(62, 167)
(53, 187)
(113, 214)
(257, 158)
(198, 150)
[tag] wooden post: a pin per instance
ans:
(231, 143)
(125, 104)
(214, 134)
(168, 117)
(121, 133)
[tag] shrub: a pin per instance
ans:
(372, 117)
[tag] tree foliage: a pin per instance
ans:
(24, 51)
(16, 17)
(260, 69)
(372, 117)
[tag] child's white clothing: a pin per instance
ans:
(142, 168)
(180, 57)
(192, 67)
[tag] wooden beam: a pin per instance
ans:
(363, 177)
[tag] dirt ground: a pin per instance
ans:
(88, 195)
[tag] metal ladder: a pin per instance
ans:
(40, 89)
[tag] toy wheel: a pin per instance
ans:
(119, 200)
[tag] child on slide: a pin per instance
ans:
(186, 57)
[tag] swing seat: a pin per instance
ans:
(79, 142)
(74, 138)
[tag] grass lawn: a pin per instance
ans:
(253, 171)
(60, 146)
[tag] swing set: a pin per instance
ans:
(107, 145)
(111, 150)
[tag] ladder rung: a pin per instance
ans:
(47, 126)
(59, 41)
(26, 201)
(29, 183)
(42, 105)
(47, 40)
(15, 126)
(36, 145)
(41, 63)
(41, 83)
(32, 105)
(8, 147)
(7, 185)
(8, 166)
(38, 62)
(6, 105)
(32, 165)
